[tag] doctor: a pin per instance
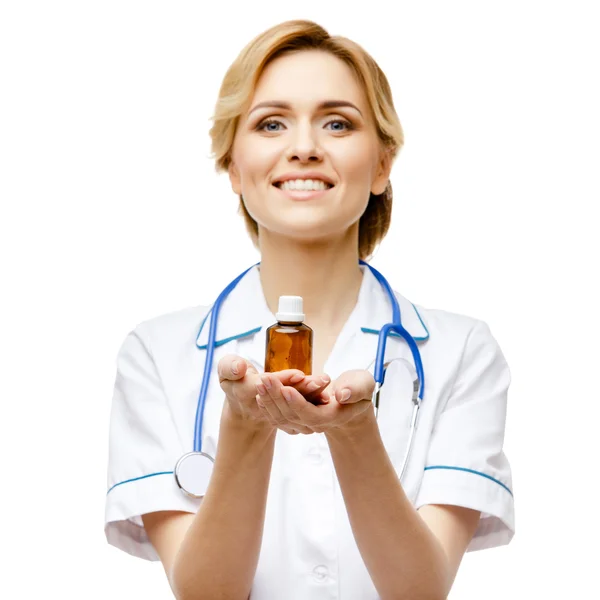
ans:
(305, 500)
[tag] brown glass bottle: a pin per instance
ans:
(289, 343)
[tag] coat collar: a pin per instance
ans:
(245, 311)
(375, 309)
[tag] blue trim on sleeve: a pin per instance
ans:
(470, 471)
(136, 479)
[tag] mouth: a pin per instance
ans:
(303, 185)
(303, 190)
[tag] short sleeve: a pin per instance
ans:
(143, 449)
(466, 465)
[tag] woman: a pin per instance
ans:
(323, 513)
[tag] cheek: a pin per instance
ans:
(255, 161)
(354, 162)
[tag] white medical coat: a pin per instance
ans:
(308, 549)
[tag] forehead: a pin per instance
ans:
(309, 77)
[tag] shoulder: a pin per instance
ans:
(444, 321)
(453, 338)
(442, 325)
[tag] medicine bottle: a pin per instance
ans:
(289, 342)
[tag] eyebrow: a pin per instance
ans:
(321, 106)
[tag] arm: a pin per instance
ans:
(408, 554)
(214, 553)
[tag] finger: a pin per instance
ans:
(286, 428)
(353, 386)
(275, 389)
(290, 376)
(264, 413)
(312, 387)
(237, 378)
(322, 397)
(292, 429)
(304, 412)
(232, 368)
(267, 398)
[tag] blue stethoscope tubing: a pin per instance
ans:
(210, 351)
(379, 368)
(378, 373)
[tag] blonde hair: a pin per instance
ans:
(237, 90)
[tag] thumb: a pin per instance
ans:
(232, 368)
(353, 386)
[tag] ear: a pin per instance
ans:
(234, 178)
(382, 175)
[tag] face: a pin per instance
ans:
(309, 119)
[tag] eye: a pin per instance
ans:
(345, 125)
(270, 125)
(266, 125)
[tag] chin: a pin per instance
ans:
(309, 231)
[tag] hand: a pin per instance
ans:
(349, 403)
(239, 378)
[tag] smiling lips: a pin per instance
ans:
(305, 186)
(303, 189)
(302, 176)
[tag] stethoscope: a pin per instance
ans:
(193, 470)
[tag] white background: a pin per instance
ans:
(112, 214)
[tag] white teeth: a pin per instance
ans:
(304, 184)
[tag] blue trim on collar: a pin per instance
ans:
(422, 323)
(257, 329)
(226, 340)
(470, 471)
(230, 339)
(394, 334)
(202, 324)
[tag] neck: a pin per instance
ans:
(327, 275)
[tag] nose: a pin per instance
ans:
(304, 146)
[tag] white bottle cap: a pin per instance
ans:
(290, 309)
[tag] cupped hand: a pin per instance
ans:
(346, 401)
(239, 380)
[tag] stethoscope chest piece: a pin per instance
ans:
(192, 473)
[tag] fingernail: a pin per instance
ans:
(287, 394)
(345, 395)
(265, 379)
(325, 379)
(312, 386)
(261, 389)
(297, 378)
(235, 367)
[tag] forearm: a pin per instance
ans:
(219, 554)
(402, 555)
